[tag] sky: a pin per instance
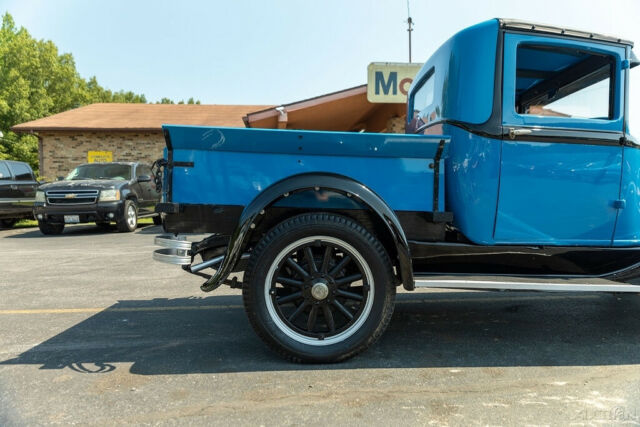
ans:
(280, 51)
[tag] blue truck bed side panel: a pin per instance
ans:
(231, 166)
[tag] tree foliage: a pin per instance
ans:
(190, 101)
(37, 81)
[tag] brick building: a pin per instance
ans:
(132, 132)
(129, 132)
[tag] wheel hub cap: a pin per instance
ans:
(320, 290)
(131, 216)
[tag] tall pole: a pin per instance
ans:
(410, 29)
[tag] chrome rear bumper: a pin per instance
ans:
(174, 250)
(177, 251)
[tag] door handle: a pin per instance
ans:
(513, 132)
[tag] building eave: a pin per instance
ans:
(33, 130)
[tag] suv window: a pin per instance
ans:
(4, 171)
(21, 171)
(101, 171)
(564, 82)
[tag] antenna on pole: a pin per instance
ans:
(410, 28)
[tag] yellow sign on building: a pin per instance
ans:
(99, 156)
(389, 82)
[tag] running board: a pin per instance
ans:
(524, 284)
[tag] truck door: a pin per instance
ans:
(561, 153)
(147, 192)
(25, 183)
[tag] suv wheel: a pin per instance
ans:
(50, 228)
(319, 288)
(129, 220)
(157, 220)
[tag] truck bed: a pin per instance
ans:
(228, 167)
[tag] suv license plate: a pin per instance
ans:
(71, 219)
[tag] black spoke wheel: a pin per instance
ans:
(319, 288)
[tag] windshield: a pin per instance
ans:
(101, 171)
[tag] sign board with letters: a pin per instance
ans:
(99, 156)
(389, 82)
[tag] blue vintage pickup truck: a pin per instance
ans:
(516, 172)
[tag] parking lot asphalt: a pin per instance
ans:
(93, 331)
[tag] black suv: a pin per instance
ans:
(17, 191)
(99, 192)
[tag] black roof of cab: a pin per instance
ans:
(514, 24)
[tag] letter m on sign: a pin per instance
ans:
(388, 82)
(385, 86)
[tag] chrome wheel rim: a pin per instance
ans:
(132, 220)
(319, 290)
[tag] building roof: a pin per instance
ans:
(345, 110)
(139, 117)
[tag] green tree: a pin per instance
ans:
(37, 81)
(170, 101)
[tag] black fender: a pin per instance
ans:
(128, 193)
(304, 182)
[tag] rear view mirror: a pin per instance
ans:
(144, 178)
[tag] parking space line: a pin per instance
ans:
(93, 310)
(118, 309)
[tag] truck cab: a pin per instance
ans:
(516, 172)
(538, 121)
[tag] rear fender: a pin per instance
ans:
(314, 181)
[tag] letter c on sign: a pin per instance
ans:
(406, 82)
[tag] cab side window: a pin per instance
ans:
(564, 82)
(22, 172)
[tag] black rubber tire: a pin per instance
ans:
(122, 223)
(50, 229)
(304, 226)
(157, 220)
(7, 223)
